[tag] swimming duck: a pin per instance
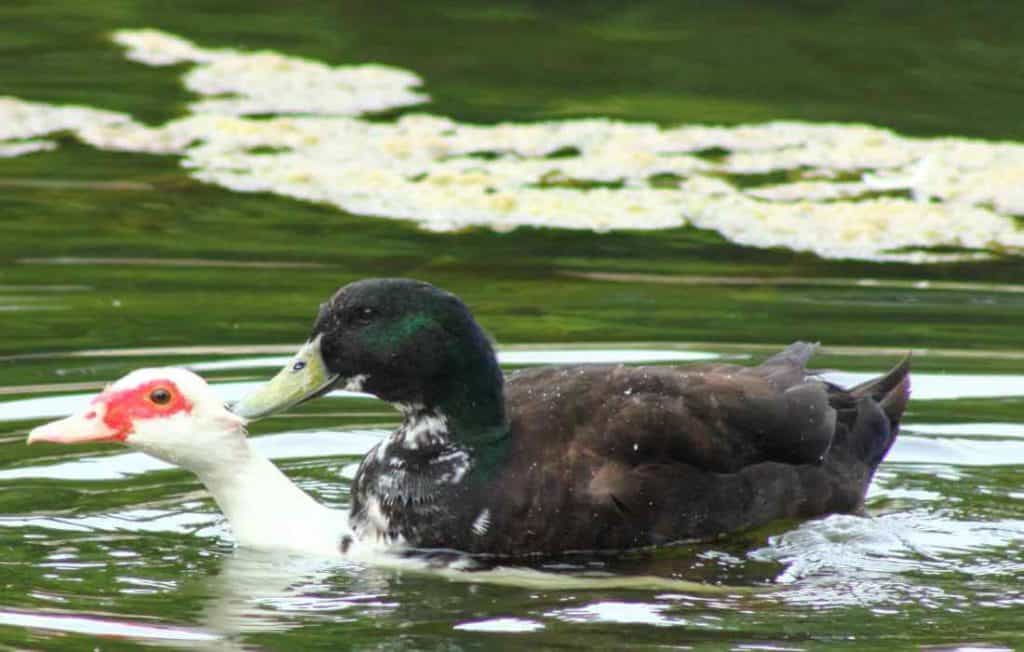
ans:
(175, 416)
(577, 458)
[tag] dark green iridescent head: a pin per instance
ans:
(401, 340)
(413, 342)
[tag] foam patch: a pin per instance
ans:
(835, 190)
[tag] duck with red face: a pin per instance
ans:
(175, 416)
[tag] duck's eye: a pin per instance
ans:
(160, 396)
(299, 365)
(365, 315)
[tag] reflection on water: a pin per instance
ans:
(111, 261)
(815, 282)
(169, 262)
(256, 590)
(265, 591)
(509, 625)
(38, 408)
(945, 506)
(926, 386)
(102, 627)
(949, 386)
(513, 357)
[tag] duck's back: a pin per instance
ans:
(608, 457)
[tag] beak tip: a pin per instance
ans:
(291, 386)
(37, 435)
(71, 430)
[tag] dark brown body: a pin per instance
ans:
(614, 457)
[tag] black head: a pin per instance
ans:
(404, 341)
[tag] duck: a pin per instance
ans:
(577, 458)
(174, 415)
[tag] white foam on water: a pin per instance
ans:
(857, 191)
(853, 560)
(236, 83)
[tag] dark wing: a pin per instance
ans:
(609, 457)
(717, 418)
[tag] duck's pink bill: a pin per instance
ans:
(75, 429)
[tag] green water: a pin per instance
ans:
(100, 548)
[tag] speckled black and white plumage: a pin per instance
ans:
(589, 457)
(407, 484)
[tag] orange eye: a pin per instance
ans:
(160, 396)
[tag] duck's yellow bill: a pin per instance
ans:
(304, 377)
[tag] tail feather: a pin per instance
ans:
(891, 391)
(796, 354)
(880, 406)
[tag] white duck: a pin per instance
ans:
(175, 416)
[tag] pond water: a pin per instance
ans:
(113, 260)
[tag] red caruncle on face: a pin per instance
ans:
(153, 399)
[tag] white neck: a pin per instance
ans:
(266, 509)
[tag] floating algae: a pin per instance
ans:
(837, 190)
(238, 83)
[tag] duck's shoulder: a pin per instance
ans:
(717, 417)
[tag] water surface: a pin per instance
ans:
(111, 261)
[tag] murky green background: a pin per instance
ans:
(112, 261)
